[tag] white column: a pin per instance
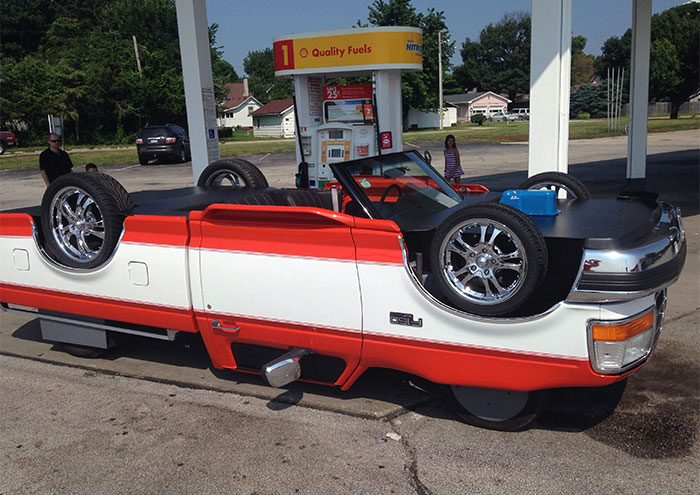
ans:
(550, 75)
(389, 106)
(193, 30)
(639, 90)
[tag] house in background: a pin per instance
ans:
(274, 119)
(236, 110)
(483, 102)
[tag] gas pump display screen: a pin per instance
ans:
(348, 111)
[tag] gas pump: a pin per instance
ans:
(348, 121)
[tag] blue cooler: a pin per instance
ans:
(541, 203)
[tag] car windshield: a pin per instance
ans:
(396, 186)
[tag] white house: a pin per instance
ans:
(236, 110)
(275, 119)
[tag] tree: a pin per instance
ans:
(418, 89)
(260, 68)
(222, 72)
(582, 70)
(500, 60)
(674, 63)
(590, 99)
(75, 58)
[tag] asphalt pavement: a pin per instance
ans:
(155, 417)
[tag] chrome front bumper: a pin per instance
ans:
(618, 275)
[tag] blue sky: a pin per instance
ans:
(251, 25)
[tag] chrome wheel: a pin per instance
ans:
(483, 261)
(226, 178)
(77, 224)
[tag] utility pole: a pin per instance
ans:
(440, 76)
(136, 52)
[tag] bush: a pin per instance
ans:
(225, 132)
(583, 116)
(478, 119)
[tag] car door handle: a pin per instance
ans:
(216, 324)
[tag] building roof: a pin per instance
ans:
(467, 98)
(238, 95)
(274, 107)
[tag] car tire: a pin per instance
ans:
(81, 220)
(232, 172)
(83, 351)
(494, 409)
(488, 259)
(143, 161)
(3, 147)
(557, 181)
(124, 201)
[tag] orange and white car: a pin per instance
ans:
(497, 297)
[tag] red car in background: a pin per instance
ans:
(7, 138)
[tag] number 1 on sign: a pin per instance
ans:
(285, 55)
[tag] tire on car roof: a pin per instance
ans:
(488, 259)
(556, 181)
(82, 215)
(232, 172)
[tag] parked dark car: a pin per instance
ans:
(7, 138)
(167, 143)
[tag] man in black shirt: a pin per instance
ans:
(53, 161)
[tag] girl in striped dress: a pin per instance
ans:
(453, 167)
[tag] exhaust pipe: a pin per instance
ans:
(286, 368)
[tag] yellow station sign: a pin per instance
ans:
(349, 50)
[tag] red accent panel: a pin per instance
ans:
(283, 52)
(312, 232)
(16, 224)
(282, 335)
(99, 307)
(470, 188)
(461, 365)
(377, 246)
(154, 229)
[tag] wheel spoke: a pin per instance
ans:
(467, 279)
(494, 234)
(83, 245)
(509, 256)
(491, 278)
(66, 211)
(482, 238)
(464, 244)
(84, 203)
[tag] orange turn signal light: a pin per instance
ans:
(624, 331)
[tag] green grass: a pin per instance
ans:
(490, 132)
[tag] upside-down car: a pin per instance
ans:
(498, 297)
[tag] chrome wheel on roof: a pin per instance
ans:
(488, 259)
(565, 185)
(77, 224)
(232, 172)
(81, 218)
(484, 261)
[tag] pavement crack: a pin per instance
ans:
(680, 317)
(411, 463)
